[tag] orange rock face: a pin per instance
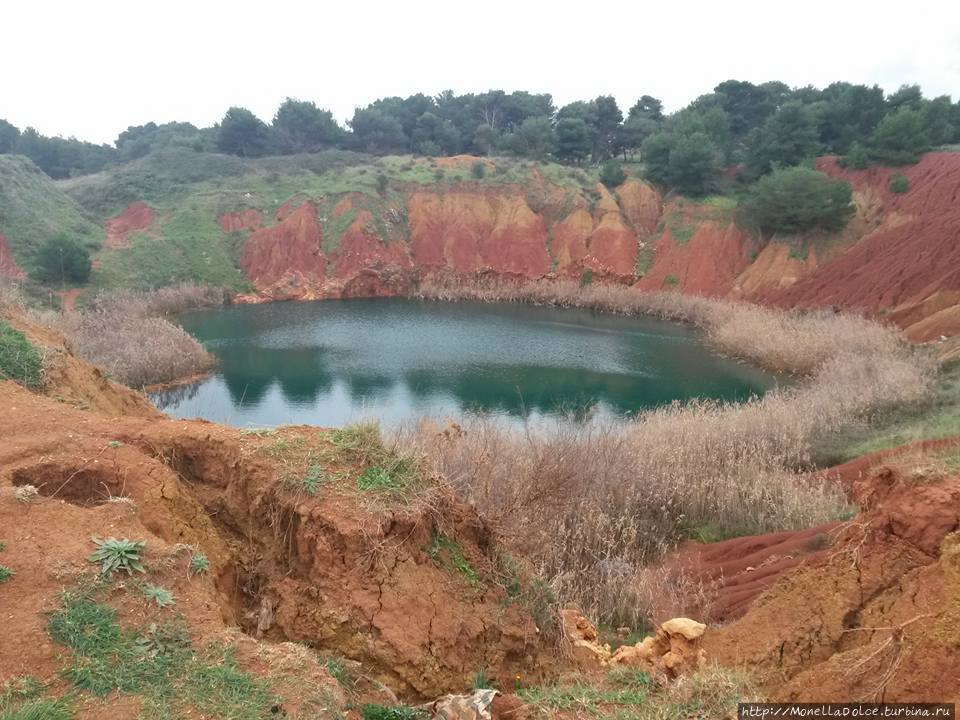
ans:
(137, 217)
(8, 267)
(291, 247)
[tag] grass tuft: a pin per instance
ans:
(20, 361)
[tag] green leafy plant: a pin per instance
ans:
(113, 555)
(5, 573)
(391, 712)
(448, 553)
(199, 563)
(376, 478)
(481, 680)
(478, 170)
(158, 595)
(899, 183)
(313, 478)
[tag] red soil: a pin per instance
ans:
(137, 217)
(246, 219)
(872, 617)
(707, 264)
(8, 266)
(289, 248)
(913, 254)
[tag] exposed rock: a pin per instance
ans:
(672, 652)
(246, 219)
(583, 641)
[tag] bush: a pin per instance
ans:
(899, 183)
(612, 174)
(61, 260)
(478, 170)
(856, 158)
(19, 360)
(798, 199)
(382, 183)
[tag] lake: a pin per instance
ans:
(338, 361)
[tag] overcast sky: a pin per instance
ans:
(91, 69)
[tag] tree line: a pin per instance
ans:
(757, 127)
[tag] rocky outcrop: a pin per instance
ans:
(245, 219)
(672, 652)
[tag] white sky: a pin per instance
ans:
(92, 68)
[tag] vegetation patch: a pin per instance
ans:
(156, 662)
(20, 361)
(448, 554)
(392, 712)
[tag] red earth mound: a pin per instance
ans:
(874, 616)
(8, 266)
(408, 587)
(136, 218)
(911, 257)
(286, 250)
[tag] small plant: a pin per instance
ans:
(159, 595)
(586, 278)
(899, 183)
(481, 681)
(3, 546)
(478, 170)
(376, 478)
(671, 280)
(199, 564)
(113, 555)
(25, 493)
(391, 712)
(313, 478)
(5, 573)
(448, 553)
(163, 639)
(337, 667)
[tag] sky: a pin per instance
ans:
(90, 69)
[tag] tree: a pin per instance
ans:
(936, 116)
(60, 260)
(573, 140)
(612, 174)
(485, 139)
(9, 135)
(900, 138)
(301, 126)
(656, 157)
(788, 137)
(906, 96)
(607, 120)
(432, 135)
(377, 132)
(848, 113)
(694, 164)
(243, 133)
(647, 107)
(798, 199)
(533, 139)
(857, 157)
(633, 132)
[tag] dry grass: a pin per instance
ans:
(130, 334)
(594, 504)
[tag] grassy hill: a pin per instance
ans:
(33, 208)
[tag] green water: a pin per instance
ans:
(338, 361)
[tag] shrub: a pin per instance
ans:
(20, 361)
(5, 573)
(856, 157)
(899, 183)
(113, 555)
(798, 199)
(128, 334)
(478, 170)
(382, 183)
(586, 277)
(612, 174)
(61, 260)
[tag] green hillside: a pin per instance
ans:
(34, 208)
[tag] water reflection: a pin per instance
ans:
(331, 362)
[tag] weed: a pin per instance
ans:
(113, 555)
(582, 697)
(25, 687)
(5, 573)
(311, 481)
(20, 361)
(586, 278)
(391, 712)
(448, 553)
(158, 595)
(481, 681)
(360, 442)
(39, 709)
(3, 546)
(376, 478)
(199, 563)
